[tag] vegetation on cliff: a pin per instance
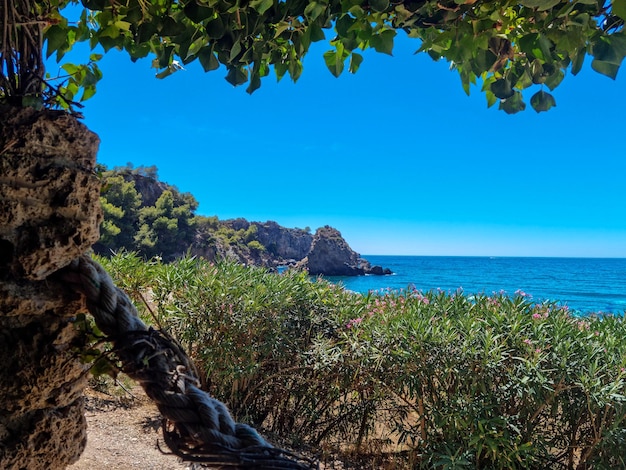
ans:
(153, 218)
(419, 380)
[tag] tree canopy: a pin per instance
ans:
(163, 225)
(506, 46)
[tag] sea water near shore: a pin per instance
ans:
(585, 285)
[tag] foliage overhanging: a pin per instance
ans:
(508, 46)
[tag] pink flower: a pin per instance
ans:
(537, 316)
(354, 322)
(528, 342)
(583, 325)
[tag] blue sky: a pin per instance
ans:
(396, 157)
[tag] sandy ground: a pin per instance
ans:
(123, 433)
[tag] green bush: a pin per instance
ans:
(436, 380)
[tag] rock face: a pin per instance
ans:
(265, 244)
(325, 253)
(330, 255)
(49, 215)
(282, 243)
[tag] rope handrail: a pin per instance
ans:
(196, 426)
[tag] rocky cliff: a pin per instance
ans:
(281, 243)
(264, 244)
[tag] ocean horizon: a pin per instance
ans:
(585, 285)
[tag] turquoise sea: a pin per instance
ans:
(585, 285)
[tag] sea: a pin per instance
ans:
(585, 285)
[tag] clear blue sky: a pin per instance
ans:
(396, 157)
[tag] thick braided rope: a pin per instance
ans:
(196, 426)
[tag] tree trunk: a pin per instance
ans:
(49, 215)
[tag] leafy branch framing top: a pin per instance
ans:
(508, 46)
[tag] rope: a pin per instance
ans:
(196, 427)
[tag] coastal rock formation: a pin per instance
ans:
(265, 244)
(330, 255)
(282, 244)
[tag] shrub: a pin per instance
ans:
(439, 380)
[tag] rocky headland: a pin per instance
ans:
(324, 253)
(152, 218)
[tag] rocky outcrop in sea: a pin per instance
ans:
(330, 255)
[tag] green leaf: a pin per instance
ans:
(295, 69)
(88, 92)
(56, 37)
(610, 49)
(383, 42)
(355, 62)
(619, 8)
(542, 101)
(215, 28)
(108, 43)
(70, 68)
(483, 61)
(343, 25)
(235, 51)
(578, 61)
(540, 5)
(536, 72)
(513, 105)
(207, 59)
(123, 25)
(145, 31)
(334, 62)
(237, 76)
(197, 13)
(95, 5)
(555, 79)
(261, 5)
(317, 33)
(280, 68)
(605, 68)
(313, 10)
(255, 83)
(170, 27)
(491, 98)
(379, 5)
(502, 89)
(536, 46)
(195, 47)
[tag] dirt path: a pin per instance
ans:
(122, 434)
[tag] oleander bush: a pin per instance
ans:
(403, 379)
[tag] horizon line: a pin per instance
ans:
(494, 256)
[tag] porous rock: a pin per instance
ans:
(49, 192)
(49, 215)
